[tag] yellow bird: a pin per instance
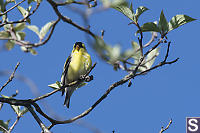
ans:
(77, 64)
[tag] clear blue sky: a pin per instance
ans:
(169, 92)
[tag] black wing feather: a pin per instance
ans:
(64, 74)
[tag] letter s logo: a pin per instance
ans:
(192, 125)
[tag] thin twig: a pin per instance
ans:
(11, 77)
(28, 44)
(68, 85)
(68, 20)
(167, 53)
(74, 2)
(1, 14)
(167, 127)
(24, 19)
(14, 124)
(44, 129)
(154, 35)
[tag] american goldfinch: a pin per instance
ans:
(77, 64)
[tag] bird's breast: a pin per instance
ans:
(78, 66)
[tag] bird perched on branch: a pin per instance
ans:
(76, 65)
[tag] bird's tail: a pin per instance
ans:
(68, 94)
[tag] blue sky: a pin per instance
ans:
(171, 91)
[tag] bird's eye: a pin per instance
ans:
(83, 45)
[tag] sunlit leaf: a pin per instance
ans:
(114, 54)
(7, 27)
(55, 85)
(45, 29)
(151, 57)
(113, 3)
(101, 48)
(20, 26)
(163, 24)
(23, 11)
(23, 111)
(34, 29)
(139, 11)
(24, 49)
(179, 20)
(126, 11)
(149, 27)
(16, 109)
(4, 34)
(136, 50)
(9, 45)
(21, 34)
(33, 51)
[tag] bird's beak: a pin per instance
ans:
(77, 47)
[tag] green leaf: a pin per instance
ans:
(114, 54)
(136, 50)
(9, 1)
(45, 29)
(55, 85)
(126, 11)
(101, 48)
(24, 49)
(151, 57)
(113, 3)
(149, 27)
(131, 8)
(20, 26)
(179, 20)
(33, 51)
(7, 27)
(2, 5)
(139, 11)
(9, 45)
(21, 34)
(23, 11)
(23, 111)
(4, 124)
(4, 34)
(16, 109)
(163, 24)
(34, 29)
(30, 1)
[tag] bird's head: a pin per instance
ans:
(79, 46)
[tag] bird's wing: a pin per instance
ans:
(64, 73)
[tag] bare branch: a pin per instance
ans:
(14, 124)
(167, 127)
(28, 44)
(1, 14)
(68, 85)
(79, 3)
(10, 78)
(68, 20)
(45, 130)
(24, 19)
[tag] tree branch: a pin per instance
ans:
(24, 19)
(68, 20)
(11, 77)
(45, 130)
(14, 124)
(167, 127)
(1, 14)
